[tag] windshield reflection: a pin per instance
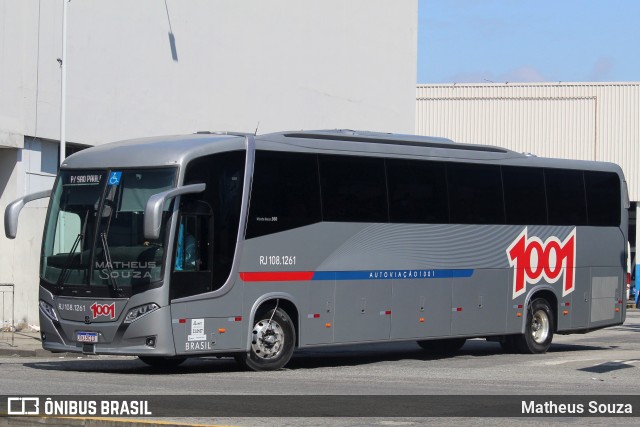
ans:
(94, 232)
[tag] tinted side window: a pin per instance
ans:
(417, 191)
(193, 260)
(285, 193)
(475, 194)
(603, 198)
(353, 189)
(565, 196)
(524, 195)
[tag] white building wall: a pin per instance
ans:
(25, 171)
(9, 177)
(587, 121)
(282, 64)
(154, 67)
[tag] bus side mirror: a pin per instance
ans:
(12, 212)
(155, 205)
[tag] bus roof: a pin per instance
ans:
(154, 151)
(180, 149)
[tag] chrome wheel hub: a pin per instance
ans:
(540, 326)
(268, 339)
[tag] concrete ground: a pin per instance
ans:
(27, 344)
(565, 362)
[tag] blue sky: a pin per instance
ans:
(468, 41)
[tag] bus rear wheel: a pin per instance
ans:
(539, 329)
(272, 341)
(442, 347)
(162, 362)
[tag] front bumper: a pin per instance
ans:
(114, 338)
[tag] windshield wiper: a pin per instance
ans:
(109, 207)
(65, 271)
(109, 266)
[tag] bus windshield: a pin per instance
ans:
(94, 232)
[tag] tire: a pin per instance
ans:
(442, 347)
(160, 362)
(538, 332)
(272, 341)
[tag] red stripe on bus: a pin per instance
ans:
(276, 276)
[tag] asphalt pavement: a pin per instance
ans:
(27, 345)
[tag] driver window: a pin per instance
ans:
(193, 250)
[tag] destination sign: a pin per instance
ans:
(83, 179)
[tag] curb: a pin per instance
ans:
(25, 344)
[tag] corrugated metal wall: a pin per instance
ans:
(586, 121)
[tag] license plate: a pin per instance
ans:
(87, 336)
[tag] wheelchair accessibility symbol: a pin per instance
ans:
(114, 178)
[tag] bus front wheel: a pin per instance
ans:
(538, 332)
(272, 341)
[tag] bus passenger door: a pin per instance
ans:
(199, 326)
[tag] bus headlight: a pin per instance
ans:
(48, 310)
(140, 311)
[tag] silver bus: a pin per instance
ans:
(255, 245)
